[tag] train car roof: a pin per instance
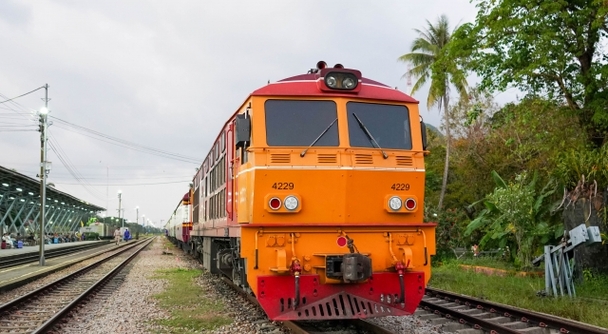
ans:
(306, 85)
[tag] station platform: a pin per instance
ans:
(36, 249)
(18, 275)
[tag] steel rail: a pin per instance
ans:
(19, 259)
(7, 307)
(463, 318)
(61, 313)
(527, 316)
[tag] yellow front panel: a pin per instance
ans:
(340, 196)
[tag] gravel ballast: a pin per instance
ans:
(128, 305)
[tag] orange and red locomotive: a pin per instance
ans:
(312, 199)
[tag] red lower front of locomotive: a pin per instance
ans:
(305, 298)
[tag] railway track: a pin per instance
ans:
(336, 326)
(318, 327)
(19, 259)
(39, 310)
(497, 318)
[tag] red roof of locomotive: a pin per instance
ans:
(306, 84)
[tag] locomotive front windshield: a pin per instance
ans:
(387, 125)
(301, 123)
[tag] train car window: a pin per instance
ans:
(206, 186)
(223, 141)
(299, 123)
(223, 170)
(388, 124)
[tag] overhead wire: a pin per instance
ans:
(19, 112)
(62, 124)
(11, 119)
(98, 135)
(132, 184)
(55, 147)
(24, 94)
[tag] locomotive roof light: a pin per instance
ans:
(321, 65)
(394, 203)
(349, 83)
(331, 81)
(291, 203)
(341, 80)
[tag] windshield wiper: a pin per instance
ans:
(369, 135)
(316, 140)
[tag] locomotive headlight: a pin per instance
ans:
(394, 203)
(291, 203)
(331, 81)
(349, 83)
(341, 80)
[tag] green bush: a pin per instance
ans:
(576, 164)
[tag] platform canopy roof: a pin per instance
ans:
(20, 205)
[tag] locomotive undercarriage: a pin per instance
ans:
(221, 256)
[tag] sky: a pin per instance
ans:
(166, 75)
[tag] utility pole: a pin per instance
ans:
(120, 207)
(137, 215)
(43, 168)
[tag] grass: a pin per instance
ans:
(168, 244)
(486, 261)
(589, 306)
(192, 311)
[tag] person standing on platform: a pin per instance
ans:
(117, 235)
(7, 240)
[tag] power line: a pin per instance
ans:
(16, 97)
(73, 171)
(98, 135)
(121, 142)
(129, 184)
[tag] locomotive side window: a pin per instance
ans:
(389, 125)
(299, 123)
(223, 141)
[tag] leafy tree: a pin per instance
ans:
(551, 48)
(431, 61)
(433, 167)
(471, 160)
(533, 134)
(579, 164)
(517, 211)
(529, 135)
(451, 224)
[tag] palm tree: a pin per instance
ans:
(430, 60)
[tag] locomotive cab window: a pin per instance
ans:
(387, 125)
(301, 123)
